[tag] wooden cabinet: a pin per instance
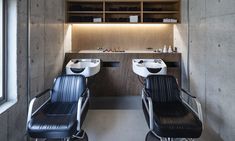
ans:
(165, 11)
(123, 11)
(80, 11)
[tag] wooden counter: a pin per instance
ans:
(116, 77)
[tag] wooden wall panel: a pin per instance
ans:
(123, 36)
(121, 81)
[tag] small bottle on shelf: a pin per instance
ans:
(169, 49)
(164, 49)
(175, 49)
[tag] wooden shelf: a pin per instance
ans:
(161, 1)
(150, 11)
(161, 12)
(122, 12)
(121, 23)
(85, 12)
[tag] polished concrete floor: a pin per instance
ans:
(122, 125)
(115, 125)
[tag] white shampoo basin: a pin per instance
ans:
(145, 67)
(86, 67)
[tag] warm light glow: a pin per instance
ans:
(121, 25)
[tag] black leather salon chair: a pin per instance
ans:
(62, 115)
(170, 112)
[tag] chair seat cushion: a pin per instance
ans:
(176, 120)
(54, 120)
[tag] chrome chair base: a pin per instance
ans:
(151, 137)
(80, 136)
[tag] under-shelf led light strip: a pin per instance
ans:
(121, 25)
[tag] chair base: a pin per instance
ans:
(151, 137)
(80, 136)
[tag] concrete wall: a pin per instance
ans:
(212, 55)
(11, 129)
(47, 52)
(47, 42)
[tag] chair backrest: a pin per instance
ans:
(162, 88)
(68, 88)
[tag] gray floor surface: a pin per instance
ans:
(115, 125)
(122, 125)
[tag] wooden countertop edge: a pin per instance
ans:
(178, 53)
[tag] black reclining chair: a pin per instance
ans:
(62, 115)
(170, 112)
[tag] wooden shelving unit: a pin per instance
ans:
(120, 11)
(161, 12)
(84, 12)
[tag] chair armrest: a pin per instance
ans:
(31, 104)
(188, 93)
(82, 101)
(42, 93)
(191, 102)
(146, 93)
(85, 92)
(149, 106)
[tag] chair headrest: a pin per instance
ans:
(162, 88)
(68, 88)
